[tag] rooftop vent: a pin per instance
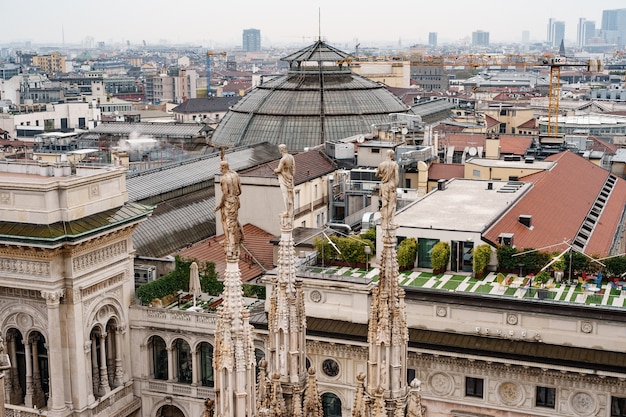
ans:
(525, 219)
(490, 185)
(441, 185)
(505, 239)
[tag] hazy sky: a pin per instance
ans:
(218, 22)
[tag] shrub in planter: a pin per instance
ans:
(481, 255)
(440, 256)
(407, 252)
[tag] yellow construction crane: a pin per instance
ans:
(556, 63)
(518, 61)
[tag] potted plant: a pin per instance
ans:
(439, 257)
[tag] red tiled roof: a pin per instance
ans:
(529, 124)
(559, 202)
(445, 171)
(256, 241)
(309, 165)
(603, 146)
(514, 145)
(490, 121)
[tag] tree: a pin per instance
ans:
(407, 252)
(178, 279)
(440, 256)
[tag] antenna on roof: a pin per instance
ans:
(319, 23)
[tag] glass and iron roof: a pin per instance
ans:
(314, 103)
(52, 235)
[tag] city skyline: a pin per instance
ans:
(206, 24)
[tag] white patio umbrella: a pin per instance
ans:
(194, 282)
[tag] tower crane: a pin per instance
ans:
(209, 54)
(556, 63)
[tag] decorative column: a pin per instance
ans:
(5, 364)
(56, 402)
(170, 363)
(95, 372)
(195, 359)
(90, 392)
(119, 369)
(38, 396)
(28, 398)
(14, 389)
(104, 387)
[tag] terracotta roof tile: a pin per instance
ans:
(514, 145)
(559, 202)
(256, 250)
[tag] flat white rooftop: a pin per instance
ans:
(464, 205)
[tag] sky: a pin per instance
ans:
(213, 23)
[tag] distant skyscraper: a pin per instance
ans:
(432, 39)
(614, 26)
(556, 32)
(525, 37)
(480, 38)
(585, 31)
(251, 40)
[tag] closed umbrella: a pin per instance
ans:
(194, 282)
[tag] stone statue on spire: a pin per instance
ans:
(229, 207)
(286, 171)
(388, 173)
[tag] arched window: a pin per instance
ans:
(206, 364)
(331, 405)
(183, 361)
(159, 358)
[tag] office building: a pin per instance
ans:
(432, 39)
(251, 40)
(480, 38)
(614, 26)
(585, 31)
(556, 32)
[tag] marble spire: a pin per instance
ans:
(234, 363)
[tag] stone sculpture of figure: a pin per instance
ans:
(286, 171)
(388, 173)
(209, 408)
(5, 363)
(229, 207)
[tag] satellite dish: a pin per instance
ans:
(360, 138)
(472, 151)
(404, 131)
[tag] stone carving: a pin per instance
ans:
(229, 208)
(583, 403)
(441, 312)
(286, 171)
(316, 296)
(510, 393)
(99, 256)
(21, 266)
(511, 319)
(5, 198)
(441, 383)
(586, 327)
(209, 408)
(388, 173)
